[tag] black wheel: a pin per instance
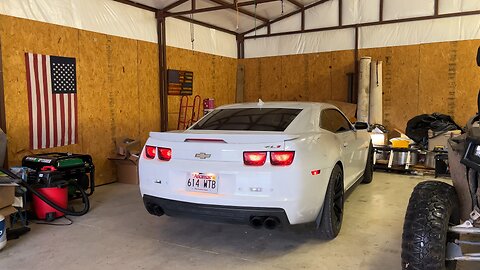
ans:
(332, 214)
(368, 172)
(433, 206)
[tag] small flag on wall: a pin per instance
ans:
(52, 100)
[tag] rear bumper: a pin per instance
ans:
(215, 213)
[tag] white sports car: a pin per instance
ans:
(263, 164)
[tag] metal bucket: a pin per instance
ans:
(400, 158)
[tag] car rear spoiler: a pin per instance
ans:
(223, 137)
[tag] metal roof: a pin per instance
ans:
(231, 16)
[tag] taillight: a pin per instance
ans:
(254, 158)
(164, 153)
(281, 158)
(150, 151)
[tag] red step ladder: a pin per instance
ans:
(188, 114)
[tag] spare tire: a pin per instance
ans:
(433, 206)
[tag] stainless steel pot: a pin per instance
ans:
(430, 160)
(400, 158)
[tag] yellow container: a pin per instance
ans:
(400, 143)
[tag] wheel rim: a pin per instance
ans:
(338, 199)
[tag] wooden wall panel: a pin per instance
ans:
(433, 81)
(296, 87)
(213, 77)
(148, 88)
(426, 78)
(124, 87)
(94, 115)
(342, 63)
(308, 77)
(318, 77)
(117, 88)
(404, 85)
(20, 36)
(467, 81)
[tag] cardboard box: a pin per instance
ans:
(441, 140)
(127, 169)
(7, 195)
(126, 146)
(349, 109)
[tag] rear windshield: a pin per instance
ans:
(258, 119)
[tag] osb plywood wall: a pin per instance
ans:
(426, 78)
(307, 77)
(213, 77)
(117, 82)
(438, 77)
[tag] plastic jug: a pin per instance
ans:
(3, 232)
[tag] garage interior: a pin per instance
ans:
(128, 53)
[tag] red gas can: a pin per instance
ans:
(58, 195)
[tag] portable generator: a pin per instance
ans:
(56, 178)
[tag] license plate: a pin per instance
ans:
(202, 182)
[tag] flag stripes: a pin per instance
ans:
(52, 116)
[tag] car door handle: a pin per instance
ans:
(345, 144)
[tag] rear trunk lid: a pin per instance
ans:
(220, 146)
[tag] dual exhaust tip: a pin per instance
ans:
(256, 222)
(154, 209)
(269, 223)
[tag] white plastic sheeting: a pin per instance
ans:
(292, 23)
(399, 9)
(113, 18)
(452, 6)
(300, 43)
(103, 16)
(323, 15)
(399, 34)
(206, 40)
(439, 30)
(360, 11)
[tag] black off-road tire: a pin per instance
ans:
(433, 206)
(368, 172)
(332, 214)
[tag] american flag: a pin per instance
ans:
(52, 100)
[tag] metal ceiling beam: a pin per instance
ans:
(301, 10)
(206, 25)
(241, 10)
(174, 4)
(195, 11)
(137, 5)
(296, 3)
(413, 19)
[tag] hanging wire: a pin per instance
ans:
(255, 1)
(192, 31)
(236, 7)
(283, 4)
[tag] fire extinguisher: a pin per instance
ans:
(208, 105)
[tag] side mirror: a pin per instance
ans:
(361, 125)
(478, 57)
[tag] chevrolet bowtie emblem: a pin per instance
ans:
(202, 155)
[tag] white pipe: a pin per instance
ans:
(363, 89)
(376, 109)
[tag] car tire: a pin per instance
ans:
(433, 206)
(332, 214)
(368, 172)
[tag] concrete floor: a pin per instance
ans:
(119, 234)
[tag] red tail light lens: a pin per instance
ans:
(282, 158)
(150, 151)
(254, 158)
(164, 153)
